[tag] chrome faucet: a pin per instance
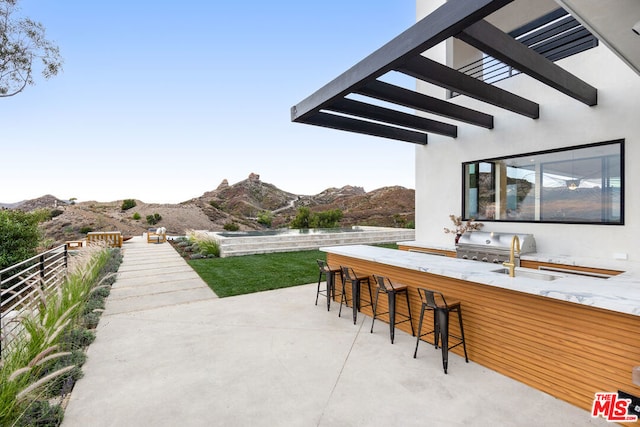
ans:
(511, 265)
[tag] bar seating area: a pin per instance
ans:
(386, 286)
(356, 280)
(432, 302)
(329, 273)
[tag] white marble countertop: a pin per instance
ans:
(630, 268)
(619, 293)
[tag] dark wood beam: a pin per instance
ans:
(492, 41)
(418, 101)
(368, 128)
(393, 117)
(433, 72)
(446, 21)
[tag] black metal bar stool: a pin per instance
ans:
(329, 274)
(385, 285)
(434, 301)
(349, 275)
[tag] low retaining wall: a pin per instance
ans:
(247, 245)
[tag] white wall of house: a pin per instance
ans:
(563, 122)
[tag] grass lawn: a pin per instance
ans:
(254, 273)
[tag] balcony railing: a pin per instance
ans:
(555, 36)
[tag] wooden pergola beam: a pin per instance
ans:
(433, 72)
(492, 41)
(368, 128)
(446, 21)
(393, 117)
(418, 101)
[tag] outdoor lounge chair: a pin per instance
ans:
(157, 235)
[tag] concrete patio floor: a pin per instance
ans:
(168, 352)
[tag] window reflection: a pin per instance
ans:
(576, 185)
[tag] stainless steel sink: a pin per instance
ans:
(529, 274)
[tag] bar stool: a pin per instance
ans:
(385, 285)
(434, 301)
(348, 274)
(329, 274)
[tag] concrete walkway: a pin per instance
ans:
(168, 352)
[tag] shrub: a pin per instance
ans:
(128, 204)
(231, 226)
(265, 218)
(136, 216)
(93, 304)
(76, 338)
(90, 320)
(86, 229)
(41, 413)
(204, 243)
(55, 212)
(207, 245)
(153, 219)
(64, 383)
(102, 292)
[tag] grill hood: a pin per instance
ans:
(491, 241)
(492, 247)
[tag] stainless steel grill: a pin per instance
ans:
(492, 247)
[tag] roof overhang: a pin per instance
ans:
(613, 22)
(464, 19)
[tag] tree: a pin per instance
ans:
(19, 235)
(302, 218)
(22, 45)
(326, 219)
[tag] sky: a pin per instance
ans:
(160, 101)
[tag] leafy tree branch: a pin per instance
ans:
(23, 47)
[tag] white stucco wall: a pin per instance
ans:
(563, 122)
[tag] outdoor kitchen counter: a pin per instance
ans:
(570, 337)
(630, 268)
(618, 293)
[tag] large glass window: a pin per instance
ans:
(583, 185)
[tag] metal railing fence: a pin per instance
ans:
(23, 287)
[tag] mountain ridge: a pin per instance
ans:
(240, 204)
